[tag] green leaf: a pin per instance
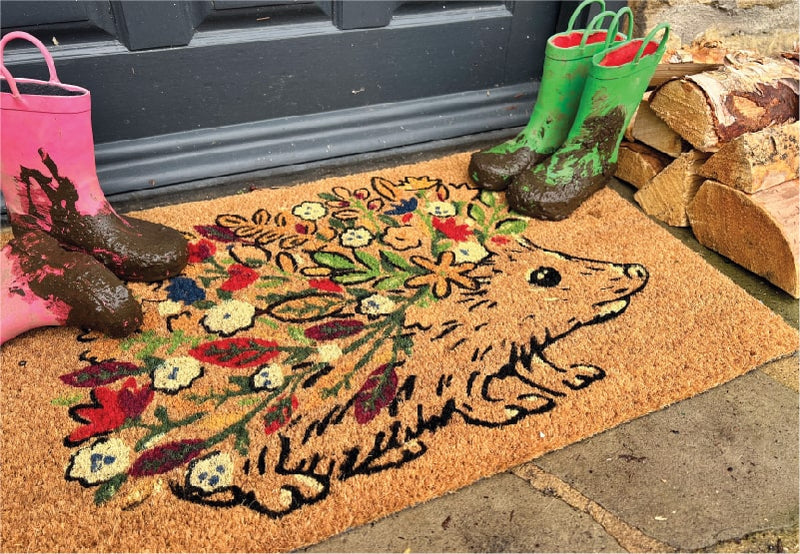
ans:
(368, 260)
(333, 260)
(161, 414)
(329, 197)
(107, 490)
(476, 212)
(355, 277)
(488, 198)
(224, 294)
(66, 400)
(298, 334)
(336, 223)
(394, 260)
(241, 381)
(305, 308)
(204, 304)
(298, 355)
(511, 226)
(388, 221)
(392, 282)
(242, 443)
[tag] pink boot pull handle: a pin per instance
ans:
(51, 66)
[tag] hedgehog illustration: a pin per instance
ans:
(333, 338)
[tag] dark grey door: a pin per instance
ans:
(191, 90)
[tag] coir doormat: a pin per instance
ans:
(340, 350)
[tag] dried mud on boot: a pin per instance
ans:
(566, 181)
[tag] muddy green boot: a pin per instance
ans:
(568, 57)
(583, 164)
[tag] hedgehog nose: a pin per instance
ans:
(636, 271)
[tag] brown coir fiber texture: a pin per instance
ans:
(340, 350)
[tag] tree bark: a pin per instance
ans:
(711, 108)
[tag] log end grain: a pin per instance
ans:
(683, 106)
(757, 231)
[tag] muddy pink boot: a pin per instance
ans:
(49, 180)
(41, 284)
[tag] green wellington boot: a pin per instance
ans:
(583, 164)
(568, 57)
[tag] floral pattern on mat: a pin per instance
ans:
(302, 346)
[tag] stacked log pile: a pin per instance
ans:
(717, 151)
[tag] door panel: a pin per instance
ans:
(303, 80)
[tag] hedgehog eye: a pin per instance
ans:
(544, 277)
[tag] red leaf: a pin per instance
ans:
(407, 217)
(166, 457)
(100, 374)
(325, 284)
(453, 231)
(201, 250)
(237, 352)
(241, 276)
(500, 240)
(217, 233)
(279, 415)
(109, 410)
(335, 329)
(377, 392)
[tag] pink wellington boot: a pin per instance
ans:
(42, 285)
(49, 180)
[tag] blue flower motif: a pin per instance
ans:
(405, 206)
(183, 289)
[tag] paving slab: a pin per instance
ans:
(718, 466)
(499, 514)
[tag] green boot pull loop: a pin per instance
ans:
(613, 29)
(568, 57)
(579, 9)
(593, 25)
(613, 89)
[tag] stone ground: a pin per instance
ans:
(715, 473)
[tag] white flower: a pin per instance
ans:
(174, 374)
(469, 252)
(228, 317)
(99, 462)
(268, 377)
(211, 472)
(329, 352)
(355, 238)
(376, 304)
(169, 307)
(441, 209)
(310, 211)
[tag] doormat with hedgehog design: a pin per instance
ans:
(341, 350)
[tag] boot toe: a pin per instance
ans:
(494, 171)
(105, 304)
(529, 194)
(152, 252)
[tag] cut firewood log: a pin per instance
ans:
(708, 109)
(758, 231)
(757, 160)
(638, 164)
(668, 194)
(666, 71)
(647, 127)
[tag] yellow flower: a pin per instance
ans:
(418, 183)
(402, 238)
(442, 273)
